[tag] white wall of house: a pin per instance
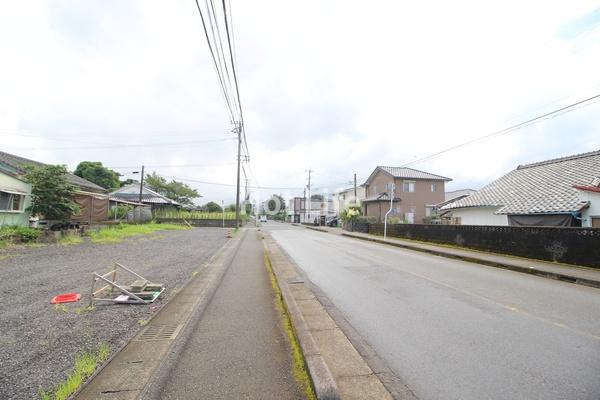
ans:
(13, 212)
(479, 216)
(342, 199)
(593, 211)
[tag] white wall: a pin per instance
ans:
(594, 208)
(480, 216)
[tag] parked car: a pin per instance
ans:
(332, 221)
(263, 218)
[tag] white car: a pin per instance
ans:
(263, 218)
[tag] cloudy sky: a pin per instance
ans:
(337, 86)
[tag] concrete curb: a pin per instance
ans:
(317, 229)
(490, 263)
(321, 376)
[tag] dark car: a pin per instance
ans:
(332, 221)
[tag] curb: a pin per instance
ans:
(320, 374)
(477, 260)
(317, 229)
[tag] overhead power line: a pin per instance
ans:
(521, 125)
(122, 145)
(230, 184)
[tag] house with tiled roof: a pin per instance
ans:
(131, 193)
(411, 193)
(15, 193)
(546, 193)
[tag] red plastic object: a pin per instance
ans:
(66, 298)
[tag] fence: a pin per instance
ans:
(580, 246)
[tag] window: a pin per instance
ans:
(11, 201)
(408, 186)
(433, 188)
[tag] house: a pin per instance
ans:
(590, 193)
(451, 197)
(415, 193)
(15, 193)
(319, 209)
(131, 193)
(344, 198)
(555, 192)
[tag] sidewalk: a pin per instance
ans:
(564, 272)
(238, 349)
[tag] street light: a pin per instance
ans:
(141, 181)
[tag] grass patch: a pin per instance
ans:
(17, 234)
(299, 363)
(69, 240)
(122, 231)
(85, 365)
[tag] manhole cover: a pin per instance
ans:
(159, 332)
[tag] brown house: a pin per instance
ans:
(415, 193)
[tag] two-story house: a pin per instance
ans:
(414, 194)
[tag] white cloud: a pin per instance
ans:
(341, 86)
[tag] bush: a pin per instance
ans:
(369, 219)
(119, 211)
(18, 234)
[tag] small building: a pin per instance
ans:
(15, 193)
(590, 216)
(319, 210)
(414, 193)
(546, 193)
(344, 198)
(131, 193)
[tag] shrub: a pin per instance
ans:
(369, 219)
(18, 234)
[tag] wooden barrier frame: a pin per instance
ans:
(111, 284)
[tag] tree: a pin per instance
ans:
(127, 181)
(95, 172)
(174, 190)
(230, 208)
(317, 197)
(51, 193)
(211, 206)
(276, 207)
(248, 207)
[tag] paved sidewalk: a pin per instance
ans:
(238, 349)
(569, 273)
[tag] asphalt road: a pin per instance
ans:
(457, 330)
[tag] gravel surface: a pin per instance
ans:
(38, 342)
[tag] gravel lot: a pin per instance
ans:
(38, 342)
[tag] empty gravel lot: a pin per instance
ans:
(38, 342)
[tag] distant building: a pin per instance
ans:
(557, 192)
(319, 210)
(414, 196)
(343, 198)
(131, 193)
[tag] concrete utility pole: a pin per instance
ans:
(238, 130)
(309, 197)
(141, 184)
(304, 204)
(354, 188)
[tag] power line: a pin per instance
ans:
(119, 146)
(230, 184)
(172, 165)
(548, 115)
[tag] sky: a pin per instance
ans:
(337, 87)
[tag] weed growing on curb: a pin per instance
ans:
(300, 369)
(143, 322)
(85, 365)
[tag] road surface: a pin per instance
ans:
(457, 330)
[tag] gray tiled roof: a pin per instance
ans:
(409, 173)
(132, 193)
(19, 163)
(543, 187)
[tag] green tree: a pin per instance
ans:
(211, 206)
(248, 207)
(95, 172)
(178, 191)
(51, 193)
(127, 181)
(276, 207)
(317, 197)
(230, 208)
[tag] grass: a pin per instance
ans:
(17, 234)
(299, 363)
(85, 365)
(182, 214)
(122, 231)
(69, 240)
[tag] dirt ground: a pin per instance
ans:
(39, 342)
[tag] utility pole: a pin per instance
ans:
(309, 197)
(355, 189)
(141, 184)
(238, 130)
(304, 205)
